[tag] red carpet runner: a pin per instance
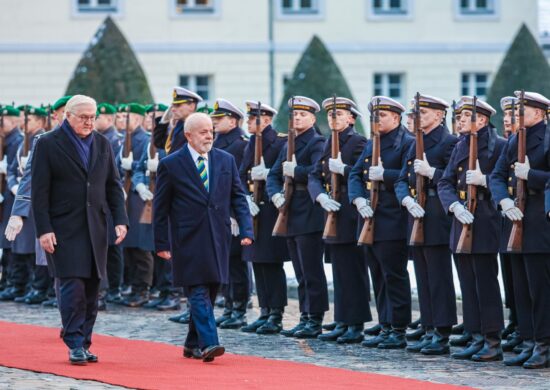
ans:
(149, 365)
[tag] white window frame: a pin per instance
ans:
(213, 12)
(374, 15)
(77, 12)
(280, 13)
(385, 84)
(192, 85)
(472, 83)
(474, 16)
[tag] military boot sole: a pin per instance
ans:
(485, 359)
(392, 346)
(435, 352)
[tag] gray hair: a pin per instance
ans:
(193, 120)
(79, 100)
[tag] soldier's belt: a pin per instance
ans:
(512, 192)
(343, 188)
(300, 187)
(381, 186)
(430, 192)
(463, 195)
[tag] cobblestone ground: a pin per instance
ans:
(154, 326)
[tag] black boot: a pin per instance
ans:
(274, 323)
(417, 334)
(513, 341)
(238, 317)
(51, 302)
(101, 304)
(423, 342)
(262, 319)
(540, 357)
(137, 299)
(36, 297)
(301, 325)
(338, 331)
(170, 302)
(458, 329)
(330, 326)
(114, 297)
(415, 324)
(439, 344)
(525, 354)
(491, 350)
(474, 347)
(373, 342)
(154, 302)
(373, 330)
(21, 299)
(396, 340)
(353, 335)
(461, 341)
(511, 328)
(225, 315)
(313, 327)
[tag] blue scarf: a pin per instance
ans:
(83, 145)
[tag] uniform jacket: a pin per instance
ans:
(162, 132)
(11, 143)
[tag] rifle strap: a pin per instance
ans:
(492, 140)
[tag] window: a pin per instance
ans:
(477, 7)
(195, 6)
(200, 84)
(388, 84)
(299, 7)
(91, 6)
(389, 7)
(475, 84)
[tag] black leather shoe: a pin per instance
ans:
(474, 347)
(373, 330)
(373, 342)
(423, 342)
(169, 303)
(300, 326)
(461, 341)
(224, 317)
(192, 353)
(52, 302)
(136, 300)
(21, 299)
(36, 297)
(415, 324)
(338, 331)
(330, 326)
(526, 353)
(90, 357)
(220, 302)
(540, 357)
(511, 328)
(416, 335)
(179, 318)
(274, 323)
(114, 298)
(78, 357)
(238, 317)
(438, 346)
(491, 350)
(262, 319)
(153, 303)
(518, 348)
(396, 340)
(353, 335)
(11, 293)
(458, 329)
(211, 352)
(101, 305)
(313, 327)
(514, 340)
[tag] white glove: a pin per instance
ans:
(144, 192)
(461, 213)
(14, 189)
(24, 162)
(153, 163)
(278, 200)
(414, 208)
(363, 207)
(234, 227)
(510, 210)
(422, 167)
(1, 198)
(476, 177)
(522, 170)
(376, 172)
(166, 116)
(4, 166)
(328, 204)
(289, 167)
(253, 207)
(259, 172)
(15, 224)
(336, 165)
(126, 162)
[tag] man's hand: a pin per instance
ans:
(414, 208)
(278, 200)
(153, 163)
(336, 165)
(510, 210)
(252, 206)
(259, 172)
(423, 168)
(246, 242)
(475, 177)
(144, 192)
(463, 215)
(166, 255)
(15, 224)
(289, 167)
(329, 205)
(14, 189)
(48, 242)
(363, 207)
(126, 162)
(167, 116)
(376, 172)
(522, 170)
(120, 231)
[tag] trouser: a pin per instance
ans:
(238, 289)
(115, 268)
(508, 281)
(306, 253)
(5, 261)
(434, 277)
(389, 258)
(531, 273)
(270, 284)
(379, 288)
(141, 262)
(481, 300)
(22, 270)
(42, 279)
(202, 324)
(163, 277)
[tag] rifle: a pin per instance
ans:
(466, 236)
(515, 242)
(367, 232)
(258, 151)
(3, 176)
(26, 136)
(125, 153)
(49, 122)
(147, 213)
(281, 225)
(330, 224)
(417, 233)
(453, 119)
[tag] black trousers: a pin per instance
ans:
(389, 261)
(238, 289)
(78, 307)
(481, 300)
(163, 277)
(42, 279)
(22, 270)
(531, 273)
(508, 281)
(351, 284)
(306, 253)
(141, 265)
(434, 277)
(115, 268)
(5, 261)
(379, 288)
(270, 285)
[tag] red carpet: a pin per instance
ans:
(149, 365)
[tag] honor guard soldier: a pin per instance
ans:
(120, 118)
(305, 218)
(351, 280)
(530, 261)
(476, 260)
(231, 138)
(158, 109)
(432, 257)
(267, 254)
(138, 244)
(388, 251)
(9, 119)
(168, 132)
